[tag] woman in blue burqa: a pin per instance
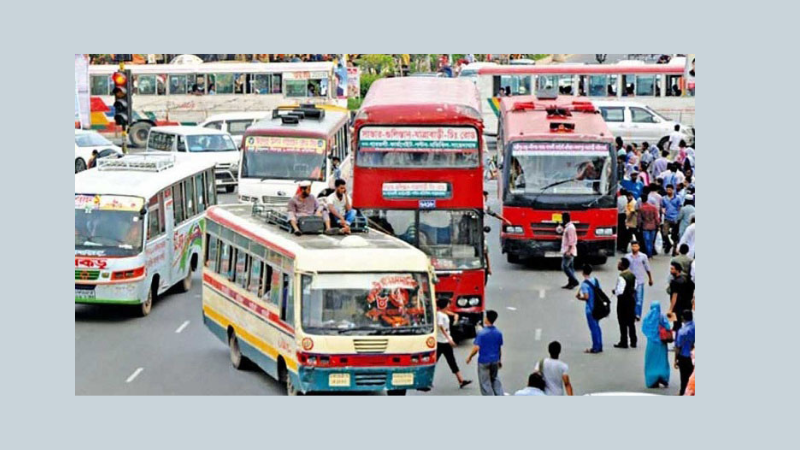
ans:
(656, 363)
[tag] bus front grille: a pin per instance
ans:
(86, 275)
(371, 379)
(370, 345)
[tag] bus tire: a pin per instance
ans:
(239, 361)
(80, 165)
(512, 258)
(147, 305)
(663, 143)
(396, 392)
(283, 377)
(138, 133)
(599, 260)
(186, 283)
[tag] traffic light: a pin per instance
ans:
(123, 89)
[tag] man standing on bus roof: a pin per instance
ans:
(304, 204)
(340, 206)
(569, 250)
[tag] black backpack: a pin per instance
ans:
(602, 304)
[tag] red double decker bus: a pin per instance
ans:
(558, 156)
(418, 175)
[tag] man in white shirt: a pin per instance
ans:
(340, 206)
(688, 239)
(554, 371)
(445, 343)
(674, 141)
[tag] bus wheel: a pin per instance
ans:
(238, 360)
(512, 258)
(186, 284)
(80, 165)
(283, 376)
(147, 305)
(138, 134)
(394, 392)
(663, 143)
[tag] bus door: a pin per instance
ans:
(157, 242)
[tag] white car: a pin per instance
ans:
(86, 142)
(234, 123)
(207, 144)
(637, 122)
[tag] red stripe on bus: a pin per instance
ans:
(212, 214)
(247, 303)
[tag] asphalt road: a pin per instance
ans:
(177, 355)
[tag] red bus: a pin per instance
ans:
(558, 156)
(418, 175)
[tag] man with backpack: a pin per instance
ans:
(587, 294)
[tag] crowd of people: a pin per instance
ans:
(657, 194)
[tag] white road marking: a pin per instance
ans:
(184, 325)
(538, 334)
(511, 308)
(541, 293)
(134, 374)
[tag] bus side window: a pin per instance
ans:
(211, 252)
(241, 268)
(287, 311)
(154, 219)
(256, 280)
(267, 282)
(188, 190)
(211, 188)
(225, 260)
(177, 203)
(275, 287)
(201, 197)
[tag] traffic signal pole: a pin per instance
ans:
(123, 99)
(125, 126)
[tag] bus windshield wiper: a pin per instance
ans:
(347, 330)
(553, 184)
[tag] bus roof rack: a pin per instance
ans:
(276, 215)
(144, 162)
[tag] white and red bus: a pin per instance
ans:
(418, 175)
(187, 94)
(558, 156)
(139, 224)
(662, 87)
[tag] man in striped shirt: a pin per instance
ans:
(569, 250)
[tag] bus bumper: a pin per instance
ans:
(528, 248)
(113, 294)
(365, 379)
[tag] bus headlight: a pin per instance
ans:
(462, 302)
(511, 229)
(474, 301)
(604, 232)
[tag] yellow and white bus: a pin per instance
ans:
(317, 312)
(187, 94)
(139, 223)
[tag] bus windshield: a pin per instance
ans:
(452, 238)
(418, 147)
(211, 143)
(108, 225)
(116, 233)
(559, 168)
(283, 158)
(367, 304)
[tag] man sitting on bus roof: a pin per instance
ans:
(340, 206)
(304, 204)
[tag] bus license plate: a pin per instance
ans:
(402, 379)
(339, 380)
(552, 254)
(84, 294)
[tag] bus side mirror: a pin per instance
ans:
(143, 211)
(435, 279)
